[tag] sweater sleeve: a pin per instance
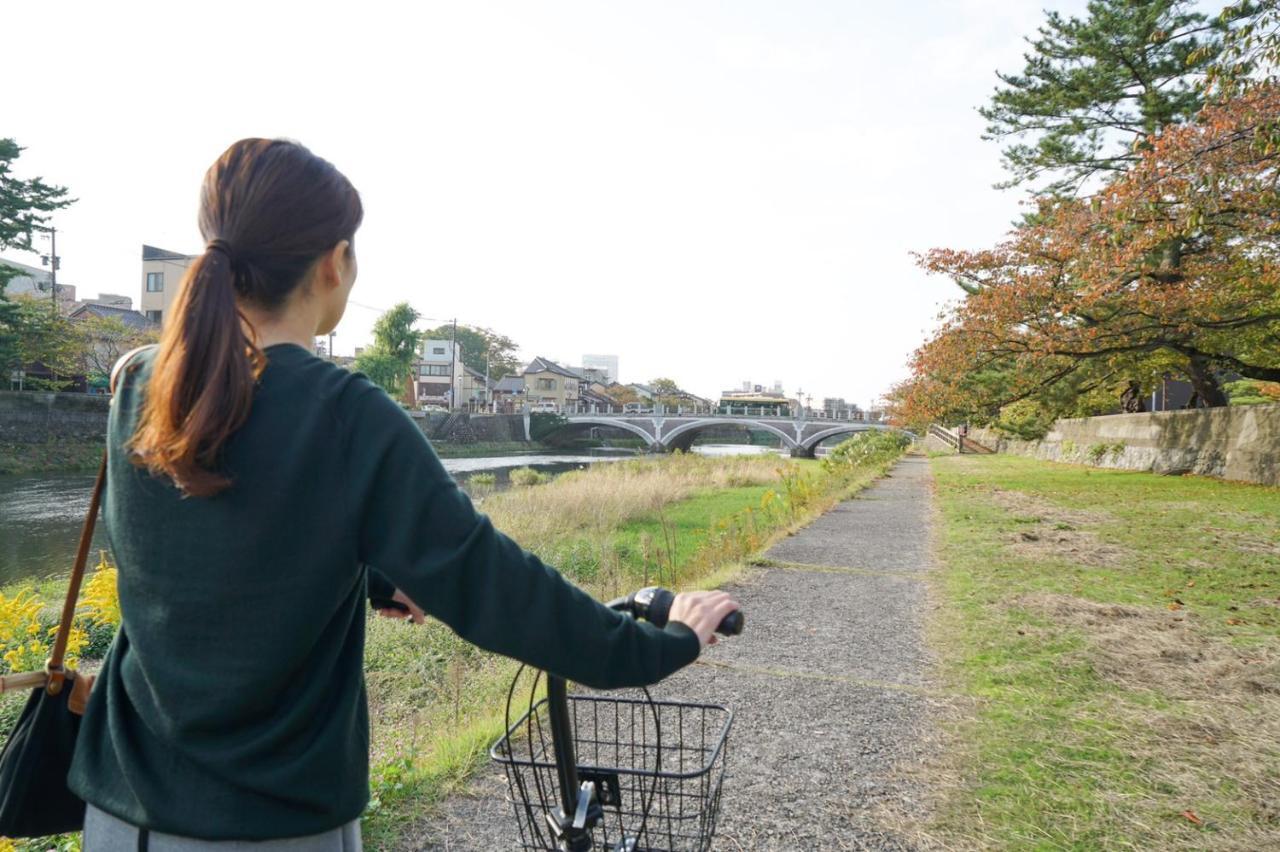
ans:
(421, 531)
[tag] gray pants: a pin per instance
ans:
(105, 833)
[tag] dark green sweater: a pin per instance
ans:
(232, 704)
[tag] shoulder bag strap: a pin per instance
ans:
(57, 674)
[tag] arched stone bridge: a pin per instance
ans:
(666, 433)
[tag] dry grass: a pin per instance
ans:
(608, 496)
(1049, 531)
(1198, 716)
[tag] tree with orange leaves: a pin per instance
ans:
(1173, 266)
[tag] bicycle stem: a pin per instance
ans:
(579, 809)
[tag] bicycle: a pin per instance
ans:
(626, 795)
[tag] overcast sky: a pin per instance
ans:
(715, 192)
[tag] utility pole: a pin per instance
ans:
(331, 346)
(52, 260)
(453, 368)
(486, 377)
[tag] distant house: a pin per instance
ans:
(162, 272)
(508, 394)
(551, 386)
(35, 282)
(110, 343)
(476, 390)
(591, 396)
(438, 366)
(132, 319)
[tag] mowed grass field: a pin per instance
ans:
(1112, 643)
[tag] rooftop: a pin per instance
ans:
(153, 253)
(545, 365)
(128, 316)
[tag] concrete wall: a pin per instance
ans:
(28, 417)
(470, 428)
(1238, 442)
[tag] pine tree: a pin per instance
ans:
(1094, 90)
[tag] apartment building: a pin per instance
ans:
(162, 272)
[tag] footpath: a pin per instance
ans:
(829, 685)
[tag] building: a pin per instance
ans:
(508, 394)
(111, 300)
(133, 320)
(162, 272)
(34, 282)
(476, 391)
(757, 399)
(594, 375)
(835, 408)
(550, 386)
(438, 367)
(607, 363)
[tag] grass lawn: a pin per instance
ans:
(1117, 638)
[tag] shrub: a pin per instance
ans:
(865, 449)
(485, 479)
(1252, 392)
(527, 476)
(1025, 419)
(543, 423)
(26, 635)
(1098, 452)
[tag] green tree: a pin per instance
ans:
(389, 361)
(664, 387)
(100, 341)
(38, 335)
(1251, 51)
(1095, 89)
(25, 206)
(475, 343)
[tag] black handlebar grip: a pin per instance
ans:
(654, 606)
(732, 624)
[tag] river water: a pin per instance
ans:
(41, 516)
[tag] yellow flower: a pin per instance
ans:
(100, 600)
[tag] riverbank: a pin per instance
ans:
(66, 455)
(1116, 640)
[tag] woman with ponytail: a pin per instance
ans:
(256, 497)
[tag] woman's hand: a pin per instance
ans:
(416, 615)
(702, 612)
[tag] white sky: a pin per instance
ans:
(715, 192)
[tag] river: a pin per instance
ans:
(40, 516)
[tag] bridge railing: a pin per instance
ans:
(752, 411)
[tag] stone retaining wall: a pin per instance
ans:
(1238, 442)
(32, 417)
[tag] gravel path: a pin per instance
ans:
(829, 684)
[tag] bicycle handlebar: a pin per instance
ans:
(653, 604)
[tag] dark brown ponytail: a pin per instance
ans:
(268, 210)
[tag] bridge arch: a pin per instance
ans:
(811, 443)
(578, 421)
(669, 439)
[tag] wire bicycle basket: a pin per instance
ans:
(657, 768)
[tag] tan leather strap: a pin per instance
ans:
(54, 667)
